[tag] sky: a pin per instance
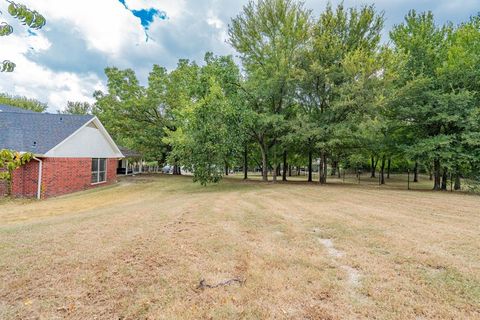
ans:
(65, 60)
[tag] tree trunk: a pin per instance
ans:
(436, 174)
(289, 170)
(444, 179)
(264, 162)
(285, 166)
(298, 171)
(458, 185)
(389, 164)
(334, 168)
(415, 172)
(274, 173)
(226, 169)
(176, 170)
(322, 176)
(325, 168)
(382, 171)
(245, 163)
(373, 167)
(320, 169)
(310, 166)
(338, 171)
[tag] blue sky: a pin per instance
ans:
(65, 60)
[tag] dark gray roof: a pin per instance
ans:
(36, 132)
(129, 153)
(4, 108)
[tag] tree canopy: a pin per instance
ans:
(23, 102)
(75, 107)
(323, 91)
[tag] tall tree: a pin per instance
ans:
(269, 35)
(459, 78)
(337, 36)
(133, 116)
(433, 100)
(182, 90)
(204, 139)
(207, 136)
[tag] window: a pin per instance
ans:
(99, 170)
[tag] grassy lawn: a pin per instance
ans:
(138, 250)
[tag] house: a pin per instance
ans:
(71, 152)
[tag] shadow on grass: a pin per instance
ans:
(235, 183)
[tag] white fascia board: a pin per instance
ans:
(107, 135)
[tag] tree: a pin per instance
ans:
(132, 114)
(437, 95)
(269, 36)
(338, 36)
(204, 139)
(206, 118)
(23, 103)
(459, 78)
(9, 162)
(30, 18)
(81, 108)
(182, 89)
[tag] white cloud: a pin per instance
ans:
(105, 24)
(55, 88)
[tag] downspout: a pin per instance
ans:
(39, 186)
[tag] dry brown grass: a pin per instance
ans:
(138, 250)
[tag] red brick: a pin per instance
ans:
(60, 176)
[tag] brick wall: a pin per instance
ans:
(24, 181)
(60, 176)
(67, 175)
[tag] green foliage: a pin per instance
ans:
(30, 18)
(339, 80)
(7, 66)
(23, 102)
(437, 94)
(81, 108)
(5, 29)
(131, 114)
(9, 162)
(205, 115)
(311, 88)
(422, 42)
(270, 36)
(204, 139)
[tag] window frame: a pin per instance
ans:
(98, 172)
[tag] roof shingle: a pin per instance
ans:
(28, 131)
(5, 108)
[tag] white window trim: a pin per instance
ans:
(98, 172)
